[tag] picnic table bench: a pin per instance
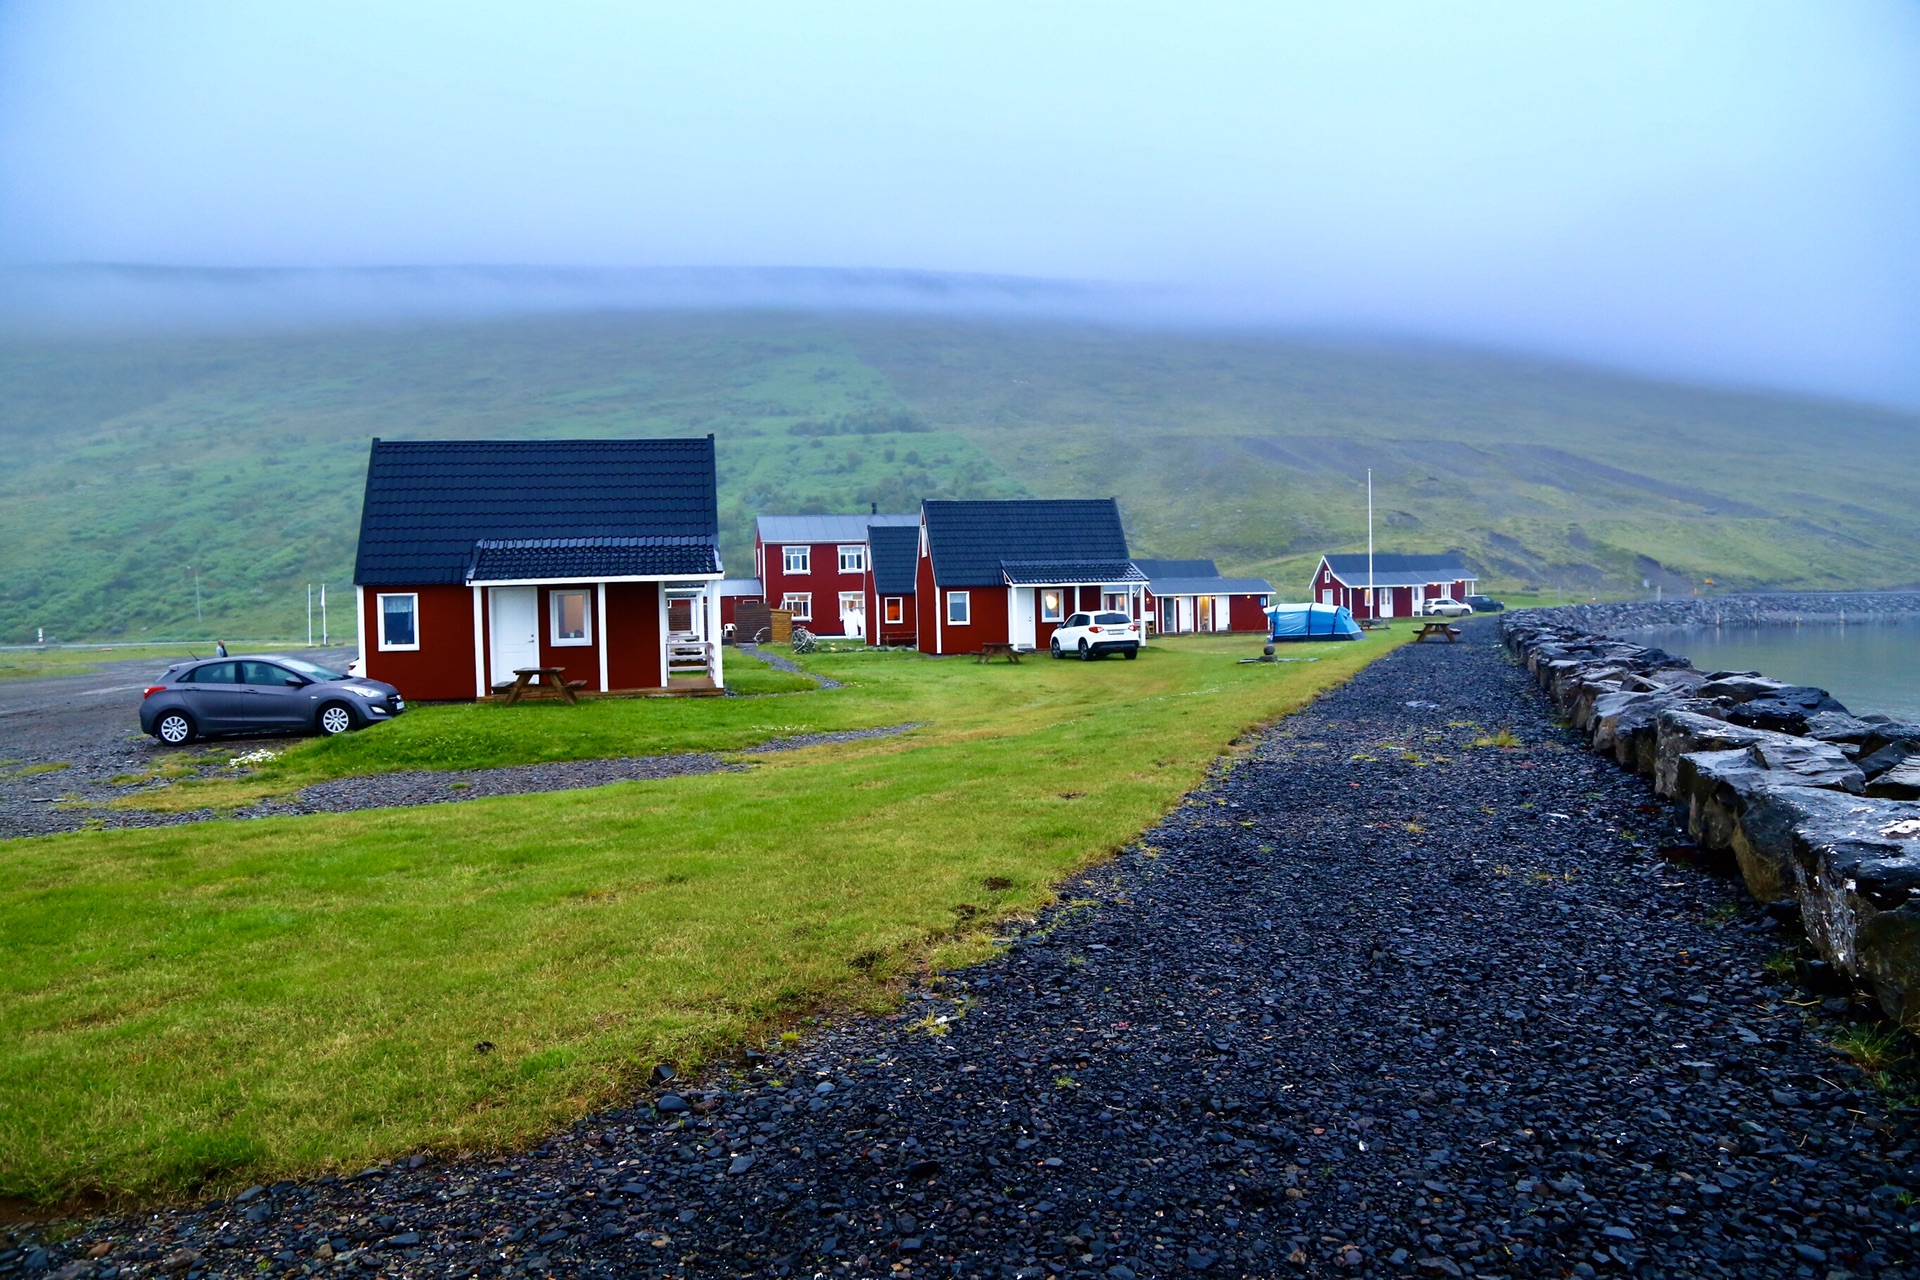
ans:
(994, 649)
(525, 678)
(1446, 629)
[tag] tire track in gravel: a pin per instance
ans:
(1372, 1002)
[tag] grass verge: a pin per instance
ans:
(187, 1006)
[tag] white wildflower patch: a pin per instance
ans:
(253, 759)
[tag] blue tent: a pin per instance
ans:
(1311, 622)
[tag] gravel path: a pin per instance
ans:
(435, 786)
(1375, 1002)
(780, 662)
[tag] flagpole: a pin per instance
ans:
(1373, 601)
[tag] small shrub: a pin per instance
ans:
(1503, 739)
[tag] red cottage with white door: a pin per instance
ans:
(1010, 572)
(598, 557)
(1400, 584)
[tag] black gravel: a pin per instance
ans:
(1374, 1002)
(780, 662)
(434, 786)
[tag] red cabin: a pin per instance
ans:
(599, 557)
(1009, 572)
(1395, 586)
(817, 568)
(1185, 596)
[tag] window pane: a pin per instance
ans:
(217, 673)
(1050, 606)
(265, 673)
(570, 615)
(1106, 619)
(396, 614)
(957, 607)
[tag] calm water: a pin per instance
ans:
(1869, 666)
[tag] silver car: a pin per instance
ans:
(268, 693)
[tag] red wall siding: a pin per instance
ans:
(990, 623)
(1245, 614)
(633, 635)
(442, 667)
(579, 661)
(825, 582)
(923, 604)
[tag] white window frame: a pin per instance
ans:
(858, 599)
(965, 600)
(380, 619)
(553, 618)
(853, 557)
(796, 561)
(799, 604)
(894, 610)
(1059, 611)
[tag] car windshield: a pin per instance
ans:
(1110, 618)
(312, 671)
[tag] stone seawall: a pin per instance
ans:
(1819, 807)
(1770, 609)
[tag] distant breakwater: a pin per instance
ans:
(1759, 609)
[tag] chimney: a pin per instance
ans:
(876, 508)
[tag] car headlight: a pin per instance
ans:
(365, 692)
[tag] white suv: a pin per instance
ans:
(1442, 607)
(1095, 635)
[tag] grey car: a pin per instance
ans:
(269, 693)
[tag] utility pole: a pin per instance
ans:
(1373, 601)
(323, 614)
(196, 593)
(309, 615)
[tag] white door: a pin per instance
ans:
(1222, 613)
(1024, 635)
(515, 630)
(1385, 596)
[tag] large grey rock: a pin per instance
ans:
(1683, 731)
(1740, 686)
(1853, 863)
(1786, 710)
(1717, 785)
(1902, 782)
(1837, 727)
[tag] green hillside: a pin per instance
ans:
(137, 461)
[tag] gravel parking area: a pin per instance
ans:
(1375, 1002)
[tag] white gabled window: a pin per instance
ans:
(399, 618)
(799, 604)
(796, 559)
(896, 610)
(959, 608)
(572, 617)
(853, 558)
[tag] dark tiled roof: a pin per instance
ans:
(1177, 568)
(430, 502)
(1397, 570)
(896, 558)
(1047, 573)
(507, 559)
(970, 540)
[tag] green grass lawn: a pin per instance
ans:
(241, 1001)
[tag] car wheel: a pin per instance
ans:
(1086, 654)
(175, 728)
(1130, 654)
(1053, 647)
(335, 719)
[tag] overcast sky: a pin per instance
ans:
(1722, 191)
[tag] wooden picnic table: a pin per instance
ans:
(1446, 629)
(525, 678)
(993, 649)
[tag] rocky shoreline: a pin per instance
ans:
(1415, 988)
(1819, 807)
(1755, 610)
